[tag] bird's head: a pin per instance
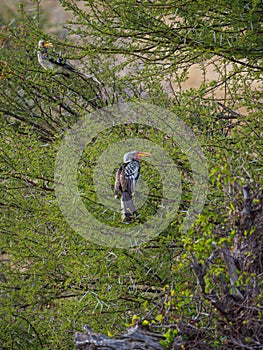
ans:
(134, 155)
(43, 44)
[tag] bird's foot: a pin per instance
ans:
(128, 217)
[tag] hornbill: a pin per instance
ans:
(49, 59)
(125, 183)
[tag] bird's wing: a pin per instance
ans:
(60, 61)
(50, 59)
(131, 175)
(63, 63)
(48, 55)
(123, 180)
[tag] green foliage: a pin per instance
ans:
(169, 338)
(170, 33)
(53, 281)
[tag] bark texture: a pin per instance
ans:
(134, 338)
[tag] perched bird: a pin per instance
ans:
(49, 59)
(125, 183)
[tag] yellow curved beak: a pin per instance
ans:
(144, 154)
(48, 45)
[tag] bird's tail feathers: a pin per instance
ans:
(67, 65)
(87, 76)
(127, 207)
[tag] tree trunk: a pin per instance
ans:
(134, 338)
